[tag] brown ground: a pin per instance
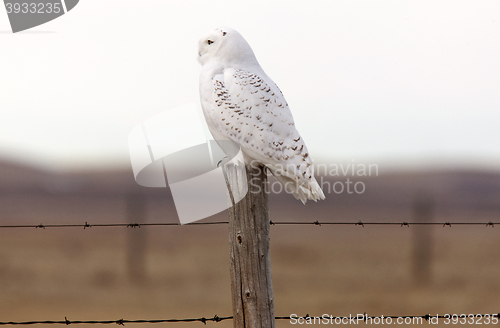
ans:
(340, 270)
(83, 275)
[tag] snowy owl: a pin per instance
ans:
(241, 103)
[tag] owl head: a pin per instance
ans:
(226, 47)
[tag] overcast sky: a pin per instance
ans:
(399, 83)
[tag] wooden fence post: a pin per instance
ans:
(250, 254)
(423, 209)
(137, 239)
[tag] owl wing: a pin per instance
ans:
(250, 110)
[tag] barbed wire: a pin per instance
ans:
(120, 322)
(317, 223)
(87, 225)
(402, 224)
(364, 317)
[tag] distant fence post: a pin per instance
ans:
(250, 254)
(137, 239)
(423, 212)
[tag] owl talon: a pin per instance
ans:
(220, 162)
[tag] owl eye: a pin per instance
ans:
(223, 33)
(210, 42)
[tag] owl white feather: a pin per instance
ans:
(241, 103)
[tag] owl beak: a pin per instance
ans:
(200, 56)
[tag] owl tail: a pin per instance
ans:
(302, 190)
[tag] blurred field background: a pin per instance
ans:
(183, 271)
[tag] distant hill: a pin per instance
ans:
(28, 193)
